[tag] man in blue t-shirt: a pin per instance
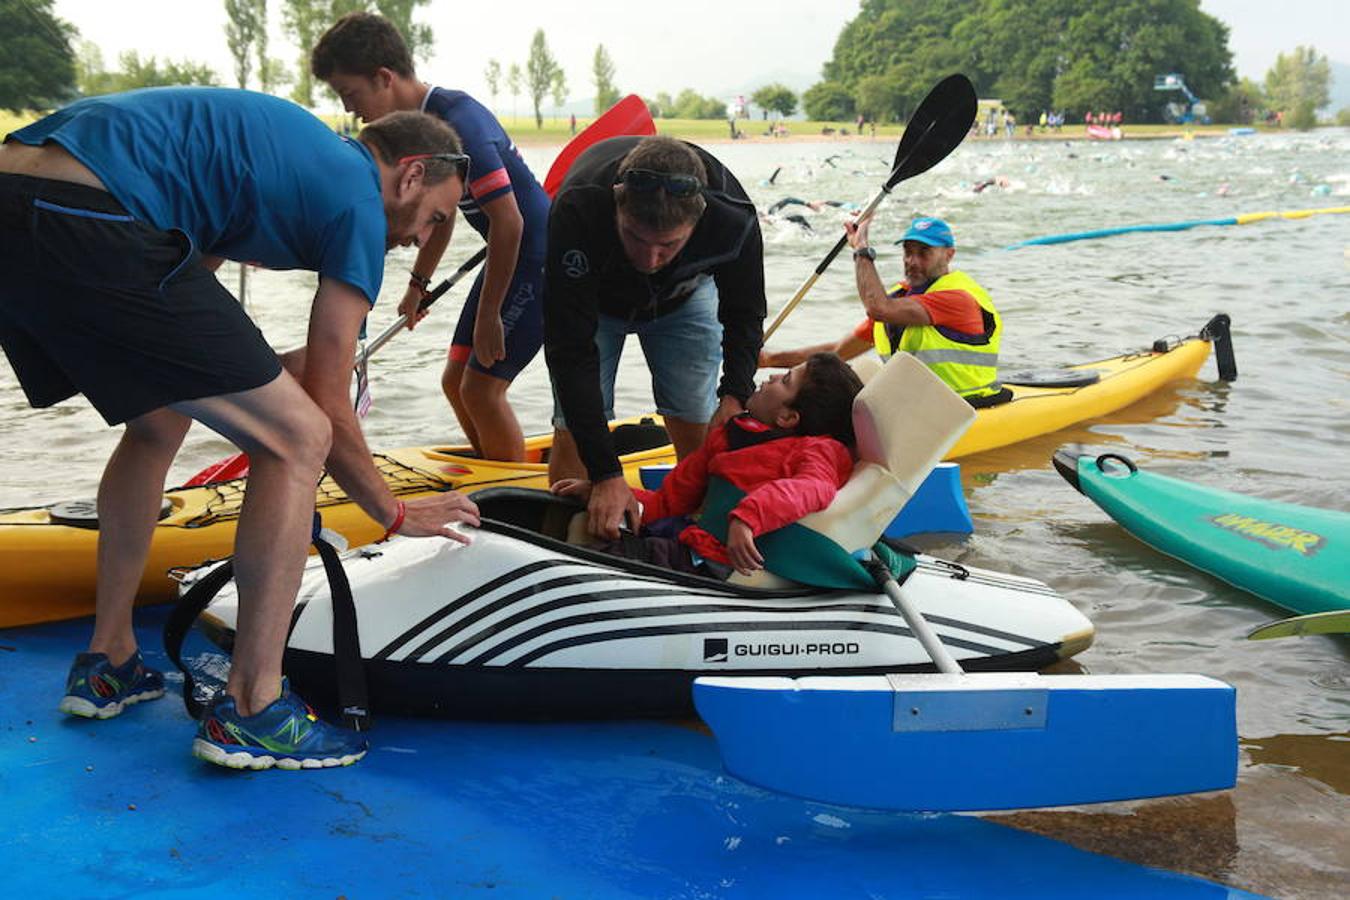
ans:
(114, 212)
(365, 60)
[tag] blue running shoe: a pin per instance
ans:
(287, 734)
(97, 690)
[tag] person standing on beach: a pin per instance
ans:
(114, 216)
(365, 60)
(653, 237)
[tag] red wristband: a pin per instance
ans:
(400, 512)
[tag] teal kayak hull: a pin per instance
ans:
(1297, 557)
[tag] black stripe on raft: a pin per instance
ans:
(538, 587)
(463, 599)
(649, 611)
(719, 629)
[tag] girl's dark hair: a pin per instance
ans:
(359, 43)
(408, 133)
(658, 209)
(824, 401)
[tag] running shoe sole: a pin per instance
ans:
(79, 706)
(257, 758)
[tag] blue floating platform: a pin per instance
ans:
(455, 809)
(980, 741)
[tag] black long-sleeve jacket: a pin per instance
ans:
(588, 273)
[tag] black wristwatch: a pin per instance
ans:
(865, 253)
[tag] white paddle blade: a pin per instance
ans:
(947, 743)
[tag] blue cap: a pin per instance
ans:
(933, 232)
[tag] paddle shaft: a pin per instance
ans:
(898, 174)
(432, 296)
(824, 264)
(913, 618)
(922, 630)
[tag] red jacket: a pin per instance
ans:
(783, 478)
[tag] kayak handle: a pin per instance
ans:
(1123, 460)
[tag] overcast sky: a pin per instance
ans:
(714, 46)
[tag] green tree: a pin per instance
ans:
(910, 40)
(828, 101)
(514, 81)
(540, 71)
(664, 106)
(493, 76)
(558, 88)
(149, 72)
(880, 98)
(1034, 54)
(304, 21)
(136, 72)
(602, 73)
(420, 38)
(775, 97)
(37, 64)
(241, 34)
(275, 74)
(91, 78)
(692, 105)
(1240, 104)
(267, 66)
(1300, 78)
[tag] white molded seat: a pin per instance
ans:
(905, 419)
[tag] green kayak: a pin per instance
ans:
(1297, 557)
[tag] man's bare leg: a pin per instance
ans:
(129, 499)
(686, 436)
(563, 459)
(452, 385)
(287, 439)
(494, 422)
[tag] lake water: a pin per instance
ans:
(1280, 431)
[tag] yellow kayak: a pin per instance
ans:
(1040, 405)
(47, 553)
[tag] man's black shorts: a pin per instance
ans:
(94, 302)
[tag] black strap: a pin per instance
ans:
(353, 695)
(351, 670)
(180, 622)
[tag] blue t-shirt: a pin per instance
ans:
(496, 168)
(245, 176)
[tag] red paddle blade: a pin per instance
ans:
(229, 468)
(629, 116)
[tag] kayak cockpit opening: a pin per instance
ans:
(558, 523)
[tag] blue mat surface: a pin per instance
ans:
(449, 809)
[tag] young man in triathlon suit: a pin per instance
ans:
(653, 237)
(939, 314)
(365, 60)
(113, 215)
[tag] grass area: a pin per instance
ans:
(558, 130)
(555, 131)
(10, 121)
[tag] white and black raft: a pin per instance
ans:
(523, 623)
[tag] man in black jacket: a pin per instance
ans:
(653, 237)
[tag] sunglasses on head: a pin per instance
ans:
(645, 181)
(461, 160)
